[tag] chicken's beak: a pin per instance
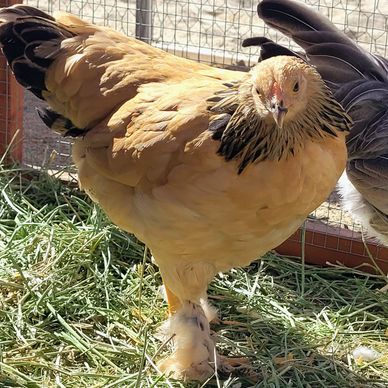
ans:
(279, 112)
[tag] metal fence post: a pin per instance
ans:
(144, 20)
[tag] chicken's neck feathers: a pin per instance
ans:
(251, 135)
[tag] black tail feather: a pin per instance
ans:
(30, 40)
(59, 123)
(29, 74)
(24, 31)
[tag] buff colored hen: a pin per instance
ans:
(210, 168)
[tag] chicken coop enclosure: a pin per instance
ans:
(209, 31)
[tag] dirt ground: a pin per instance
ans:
(215, 28)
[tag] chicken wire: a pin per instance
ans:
(209, 31)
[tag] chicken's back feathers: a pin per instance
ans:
(359, 81)
(84, 71)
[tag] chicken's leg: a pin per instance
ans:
(174, 304)
(172, 300)
(194, 356)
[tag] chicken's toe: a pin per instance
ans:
(236, 365)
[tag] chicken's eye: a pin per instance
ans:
(296, 87)
(258, 91)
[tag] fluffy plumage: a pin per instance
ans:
(210, 168)
(359, 81)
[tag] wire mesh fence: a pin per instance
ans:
(209, 31)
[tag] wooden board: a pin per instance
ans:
(11, 107)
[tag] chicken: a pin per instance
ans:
(210, 168)
(359, 81)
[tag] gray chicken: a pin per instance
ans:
(359, 81)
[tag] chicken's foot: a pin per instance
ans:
(194, 355)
